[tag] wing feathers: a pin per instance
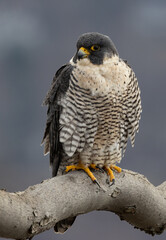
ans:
(58, 88)
(78, 119)
(131, 113)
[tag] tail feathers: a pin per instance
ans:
(63, 225)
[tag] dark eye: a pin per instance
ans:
(95, 48)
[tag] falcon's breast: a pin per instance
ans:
(101, 109)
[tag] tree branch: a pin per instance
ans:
(38, 208)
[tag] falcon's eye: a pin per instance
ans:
(95, 48)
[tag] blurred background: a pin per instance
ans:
(36, 38)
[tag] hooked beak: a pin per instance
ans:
(83, 53)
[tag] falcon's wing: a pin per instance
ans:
(78, 119)
(58, 89)
(71, 118)
(131, 111)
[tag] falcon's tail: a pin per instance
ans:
(63, 225)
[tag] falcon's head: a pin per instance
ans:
(95, 47)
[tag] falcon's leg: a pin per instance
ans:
(110, 172)
(80, 166)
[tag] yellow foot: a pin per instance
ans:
(110, 172)
(92, 165)
(80, 166)
(118, 169)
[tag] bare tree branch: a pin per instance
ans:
(38, 208)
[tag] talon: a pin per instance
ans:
(100, 169)
(92, 165)
(80, 166)
(113, 182)
(95, 167)
(110, 173)
(95, 181)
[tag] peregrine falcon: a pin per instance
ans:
(94, 106)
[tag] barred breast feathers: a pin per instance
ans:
(79, 118)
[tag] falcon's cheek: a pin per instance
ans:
(79, 60)
(97, 58)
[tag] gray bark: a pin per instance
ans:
(38, 208)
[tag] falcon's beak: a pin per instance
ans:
(83, 53)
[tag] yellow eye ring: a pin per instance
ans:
(95, 47)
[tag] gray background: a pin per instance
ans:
(36, 38)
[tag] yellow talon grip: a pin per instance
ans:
(110, 173)
(80, 166)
